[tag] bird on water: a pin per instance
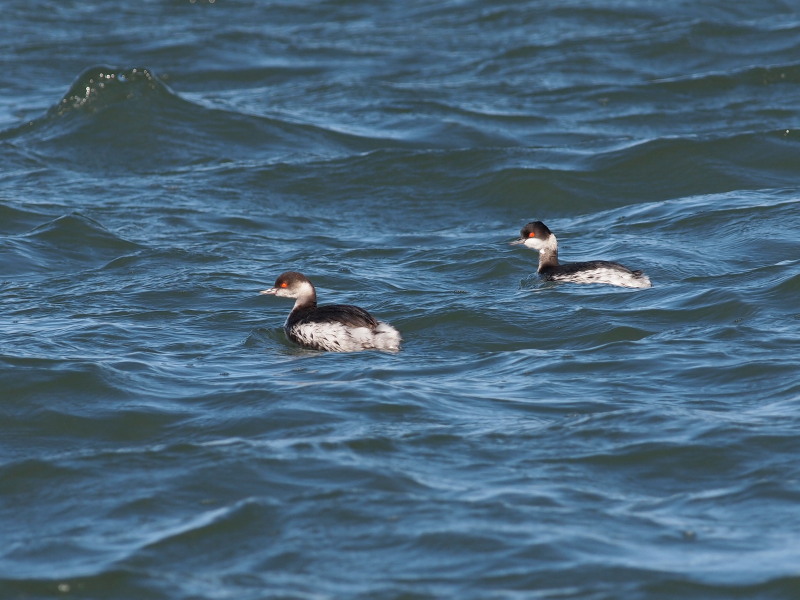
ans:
(331, 327)
(537, 236)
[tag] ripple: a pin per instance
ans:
(66, 243)
(120, 116)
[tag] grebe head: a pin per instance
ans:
(536, 236)
(292, 284)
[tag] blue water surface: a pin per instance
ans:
(163, 161)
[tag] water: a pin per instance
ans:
(165, 161)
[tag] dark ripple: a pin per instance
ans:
(722, 82)
(60, 378)
(677, 586)
(110, 581)
(15, 221)
(121, 116)
(751, 160)
(67, 243)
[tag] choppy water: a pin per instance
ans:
(164, 161)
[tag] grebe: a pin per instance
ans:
(332, 327)
(537, 236)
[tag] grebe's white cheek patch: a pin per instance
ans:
(532, 243)
(539, 244)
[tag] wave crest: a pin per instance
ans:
(101, 86)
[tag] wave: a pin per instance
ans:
(116, 118)
(658, 169)
(98, 88)
(14, 220)
(718, 81)
(67, 243)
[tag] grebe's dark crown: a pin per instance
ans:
(290, 278)
(535, 229)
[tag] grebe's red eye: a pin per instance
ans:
(532, 234)
(284, 284)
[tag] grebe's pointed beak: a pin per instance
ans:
(517, 241)
(270, 291)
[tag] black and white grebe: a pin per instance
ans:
(537, 236)
(332, 327)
